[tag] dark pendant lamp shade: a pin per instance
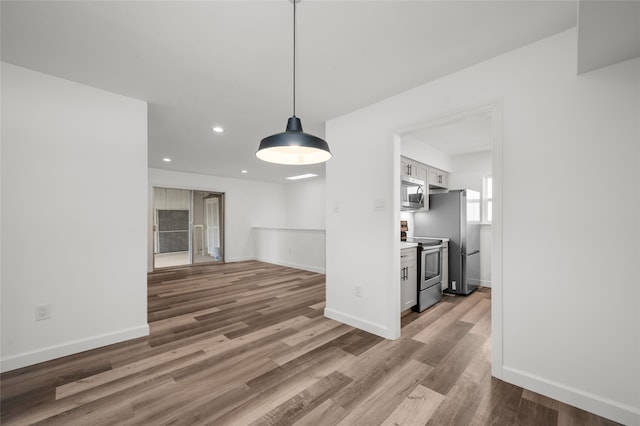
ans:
(293, 146)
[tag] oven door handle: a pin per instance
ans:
(431, 248)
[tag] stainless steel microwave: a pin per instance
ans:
(411, 193)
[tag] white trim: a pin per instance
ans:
(485, 283)
(238, 259)
(312, 230)
(395, 291)
(292, 265)
(70, 348)
(603, 407)
(365, 325)
(497, 307)
(448, 117)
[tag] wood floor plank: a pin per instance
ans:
(375, 368)
(327, 413)
(309, 345)
(327, 355)
(478, 312)
(461, 403)
(416, 409)
(533, 414)
(247, 343)
(439, 345)
(448, 371)
(381, 402)
(154, 362)
(269, 399)
(572, 416)
(541, 399)
(443, 322)
(314, 329)
(305, 402)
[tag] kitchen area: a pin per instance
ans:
(446, 210)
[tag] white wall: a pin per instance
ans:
(566, 316)
(305, 201)
(248, 204)
(420, 151)
(296, 248)
(301, 244)
(73, 231)
(468, 170)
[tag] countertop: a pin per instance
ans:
(433, 238)
(405, 245)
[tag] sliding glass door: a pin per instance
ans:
(188, 227)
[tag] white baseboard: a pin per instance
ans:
(485, 283)
(377, 329)
(69, 348)
(603, 407)
(292, 265)
(238, 259)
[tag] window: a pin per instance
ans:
(473, 206)
(487, 199)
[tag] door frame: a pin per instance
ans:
(220, 198)
(495, 107)
(152, 225)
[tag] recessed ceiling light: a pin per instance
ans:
(218, 129)
(166, 159)
(305, 176)
(243, 171)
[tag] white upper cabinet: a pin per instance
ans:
(438, 178)
(409, 167)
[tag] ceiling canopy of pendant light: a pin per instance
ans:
(293, 146)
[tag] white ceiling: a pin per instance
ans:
(229, 63)
(609, 32)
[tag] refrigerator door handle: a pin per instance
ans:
(469, 254)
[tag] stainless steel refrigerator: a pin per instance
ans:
(455, 215)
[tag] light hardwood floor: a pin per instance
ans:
(247, 344)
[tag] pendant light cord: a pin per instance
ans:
(294, 57)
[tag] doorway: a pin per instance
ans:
(188, 227)
(462, 144)
(488, 116)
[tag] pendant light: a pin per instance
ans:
(293, 146)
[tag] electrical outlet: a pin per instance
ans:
(453, 285)
(43, 312)
(358, 290)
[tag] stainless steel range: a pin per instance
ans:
(429, 272)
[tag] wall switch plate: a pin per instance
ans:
(378, 204)
(336, 207)
(43, 312)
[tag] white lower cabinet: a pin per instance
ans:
(408, 278)
(445, 265)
